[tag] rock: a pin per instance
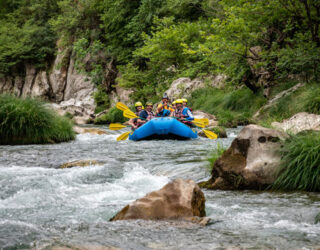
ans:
(30, 77)
(183, 87)
(83, 247)
(41, 86)
(178, 199)
(212, 119)
(217, 81)
(59, 74)
(95, 131)
(299, 122)
(220, 131)
(80, 163)
(251, 161)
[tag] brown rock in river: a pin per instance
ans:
(178, 199)
(251, 161)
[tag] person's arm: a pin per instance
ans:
(190, 115)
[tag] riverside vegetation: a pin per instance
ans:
(258, 45)
(29, 121)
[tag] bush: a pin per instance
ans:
(232, 106)
(113, 115)
(102, 100)
(300, 166)
(29, 121)
(215, 155)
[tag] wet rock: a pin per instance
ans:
(299, 122)
(94, 131)
(212, 119)
(220, 131)
(251, 161)
(80, 163)
(184, 86)
(179, 199)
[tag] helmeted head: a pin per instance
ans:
(138, 106)
(179, 103)
(149, 106)
(174, 104)
(185, 102)
(165, 98)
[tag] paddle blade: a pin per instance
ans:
(211, 135)
(198, 124)
(116, 126)
(123, 136)
(205, 121)
(121, 106)
(129, 114)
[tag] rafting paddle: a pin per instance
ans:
(211, 135)
(116, 126)
(129, 114)
(123, 136)
(121, 106)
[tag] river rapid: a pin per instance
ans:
(42, 206)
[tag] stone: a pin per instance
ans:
(30, 77)
(41, 86)
(251, 161)
(95, 131)
(217, 81)
(59, 73)
(212, 119)
(80, 163)
(183, 87)
(299, 122)
(178, 199)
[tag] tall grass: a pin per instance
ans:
(29, 121)
(300, 166)
(215, 155)
(231, 106)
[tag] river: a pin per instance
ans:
(42, 206)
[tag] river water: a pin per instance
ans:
(42, 206)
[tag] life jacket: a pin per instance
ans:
(186, 112)
(164, 112)
(150, 115)
(178, 113)
(167, 106)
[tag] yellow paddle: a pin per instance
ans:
(123, 136)
(199, 123)
(205, 121)
(129, 114)
(116, 126)
(211, 135)
(121, 106)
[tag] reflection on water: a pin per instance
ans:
(42, 206)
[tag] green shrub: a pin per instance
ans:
(29, 121)
(112, 116)
(101, 99)
(231, 106)
(312, 104)
(215, 155)
(300, 166)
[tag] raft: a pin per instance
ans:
(162, 129)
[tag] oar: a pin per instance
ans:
(123, 136)
(211, 135)
(205, 121)
(116, 126)
(198, 123)
(121, 106)
(129, 114)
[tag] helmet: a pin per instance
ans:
(184, 100)
(165, 96)
(149, 104)
(179, 101)
(138, 104)
(174, 102)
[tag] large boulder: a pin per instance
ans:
(251, 161)
(183, 87)
(179, 199)
(299, 122)
(212, 119)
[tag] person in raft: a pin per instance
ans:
(164, 108)
(185, 104)
(183, 113)
(147, 114)
(134, 122)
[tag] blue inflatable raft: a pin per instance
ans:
(163, 128)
